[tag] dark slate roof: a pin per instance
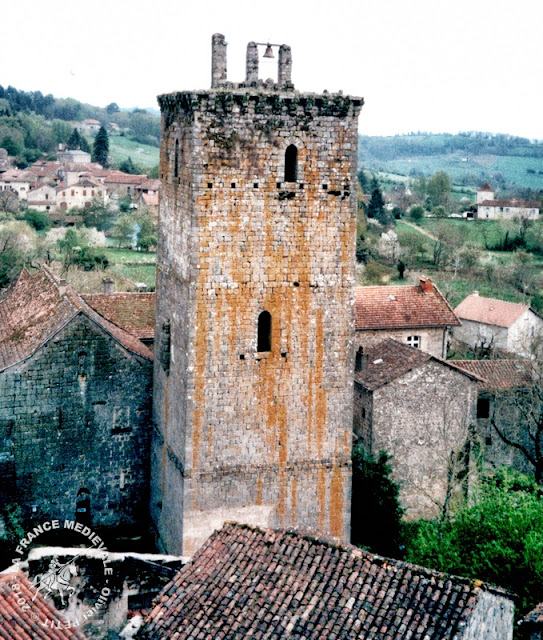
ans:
(499, 374)
(28, 623)
(402, 307)
(133, 312)
(390, 359)
(34, 309)
(248, 582)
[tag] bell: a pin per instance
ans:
(269, 51)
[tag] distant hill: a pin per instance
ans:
(508, 162)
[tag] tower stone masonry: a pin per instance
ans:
(253, 377)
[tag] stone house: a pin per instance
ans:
(495, 324)
(247, 582)
(509, 394)
(420, 409)
(74, 156)
(75, 396)
(44, 198)
(416, 315)
(123, 184)
(26, 614)
(21, 182)
(489, 208)
(81, 195)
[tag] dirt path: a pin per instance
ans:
(419, 229)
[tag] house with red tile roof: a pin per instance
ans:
(75, 402)
(247, 582)
(509, 394)
(417, 315)
(26, 614)
(419, 409)
(490, 208)
(497, 324)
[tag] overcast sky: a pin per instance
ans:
(421, 65)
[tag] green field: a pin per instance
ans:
(129, 256)
(145, 273)
(143, 155)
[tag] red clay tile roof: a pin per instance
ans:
(20, 623)
(498, 374)
(397, 307)
(151, 184)
(248, 582)
(133, 312)
(526, 204)
(390, 359)
(490, 311)
(33, 311)
(486, 187)
(534, 618)
(115, 177)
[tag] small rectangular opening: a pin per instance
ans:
(278, 185)
(255, 185)
(325, 186)
(233, 185)
(209, 185)
(242, 356)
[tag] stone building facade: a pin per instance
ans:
(421, 410)
(255, 290)
(75, 396)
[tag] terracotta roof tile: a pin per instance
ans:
(133, 312)
(498, 374)
(486, 187)
(395, 307)
(32, 311)
(20, 623)
(115, 177)
(526, 204)
(489, 310)
(249, 582)
(390, 359)
(535, 617)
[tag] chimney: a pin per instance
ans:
(62, 285)
(218, 60)
(476, 293)
(107, 286)
(426, 284)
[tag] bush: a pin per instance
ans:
(416, 213)
(439, 212)
(91, 260)
(376, 511)
(39, 220)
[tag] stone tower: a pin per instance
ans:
(254, 358)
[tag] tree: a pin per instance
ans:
(39, 220)
(17, 249)
(11, 146)
(419, 187)
(439, 212)
(112, 108)
(124, 231)
(127, 166)
(416, 213)
(438, 189)
(376, 207)
(100, 149)
(376, 509)
(498, 539)
(147, 236)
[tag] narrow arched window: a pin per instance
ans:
(291, 164)
(359, 359)
(176, 159)
(82, 506)
(264, 331)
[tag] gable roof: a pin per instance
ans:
(390, 359)
(486, 187)
(36, 308)
(498, 374)
(402, 307)
(26, 623)
(491, 311)
(533, 619)
(133, 312)
(521, 204)
(259, 583)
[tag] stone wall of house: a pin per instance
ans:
(433, 340)
(476, 333)
(420, 419)
(525, 334)
(492, 619)
(77, 415)
(258, 435)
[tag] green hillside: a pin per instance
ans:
(470, 159)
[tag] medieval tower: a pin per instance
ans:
(255, 286)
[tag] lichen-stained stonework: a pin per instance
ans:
(262, 437)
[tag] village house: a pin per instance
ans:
(420, 409)
(417, 315)
(75, 401)
(490, 324)
(81, 194)
(44, 198)
(18, 181)
(89, 125)
(73, 156)
(488, 208)
(123, 184)
(509, 393)
(531, 626)
(261, 583)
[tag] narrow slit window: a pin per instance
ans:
(264, 331)
(176, 159)
(291, 164)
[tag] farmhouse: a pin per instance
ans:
(417, 315)
(488, 208)
(419, 409)
(488, 323)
